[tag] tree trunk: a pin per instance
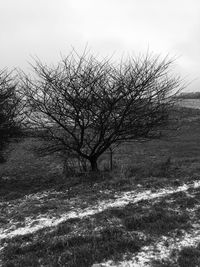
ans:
(94, 166)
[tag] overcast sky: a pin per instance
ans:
(48, 28)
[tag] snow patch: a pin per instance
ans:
(161, 250)
(121, 199)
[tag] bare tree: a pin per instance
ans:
(87, 105)
(9, 109)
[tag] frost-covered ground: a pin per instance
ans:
(32, 224)
(164, 249)
(60, 210)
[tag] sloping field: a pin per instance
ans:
(144, 213)
(149, 224)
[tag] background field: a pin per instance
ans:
(190, 103)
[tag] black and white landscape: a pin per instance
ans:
(99, 133)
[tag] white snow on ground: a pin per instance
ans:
(121, 199)
(159, 251)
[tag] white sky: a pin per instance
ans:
(46, 28)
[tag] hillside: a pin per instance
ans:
(143, 213)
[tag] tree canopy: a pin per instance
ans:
(86, 105)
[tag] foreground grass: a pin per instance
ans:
(146, 211)
(107, 235)
(61, 250)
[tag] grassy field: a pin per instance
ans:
(190, 103)
(145, 212)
